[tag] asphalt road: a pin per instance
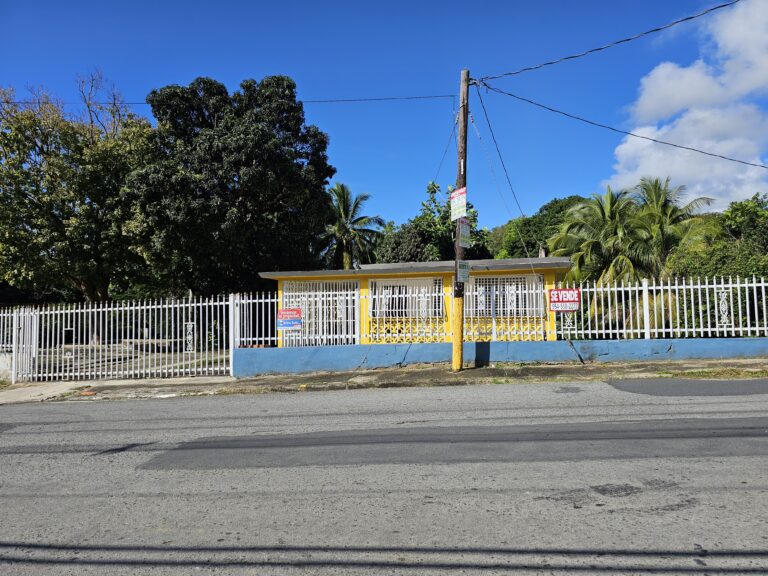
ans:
(586, 478)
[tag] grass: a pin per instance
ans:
(4, 384)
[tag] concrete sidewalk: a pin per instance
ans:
(412, 376)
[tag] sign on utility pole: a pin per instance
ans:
(461, 268)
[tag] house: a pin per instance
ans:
(505, 300)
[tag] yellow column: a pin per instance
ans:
(457, 322)
(364, 319)
(551, 327)
(447, 306)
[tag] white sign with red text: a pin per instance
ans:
(458, 203)
(564, 299)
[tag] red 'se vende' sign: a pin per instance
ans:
(289, 314)
(564, 299)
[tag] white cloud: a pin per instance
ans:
(706, 105)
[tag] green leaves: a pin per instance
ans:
(61, 203)
(351, 235)
(429, 236)
(630, 234)
(235, 186)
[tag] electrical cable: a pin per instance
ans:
(617, 130)
(506, 173)
(612, 44)
(498, 191)
(447, 145)
(323, 101)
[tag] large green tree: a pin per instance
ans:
(429, 236)
(236, 185)
(351, 235)
(62, 202)
(742, 250)
(524, 236)
(602, 236)
(671, 221)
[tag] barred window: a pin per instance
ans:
(506, 296)
(406, 298)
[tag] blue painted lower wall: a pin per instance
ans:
(255, 361)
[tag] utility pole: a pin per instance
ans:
(457, 358)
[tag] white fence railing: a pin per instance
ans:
(162, 338)
(674, 308)
(107, 340)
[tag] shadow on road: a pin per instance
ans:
(652, 561)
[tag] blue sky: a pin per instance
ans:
(365, 49)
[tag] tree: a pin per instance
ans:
(742, 250)
(671, 222)
(525, 235)
(236, 185)
(62, 205)
(748, 220)
(351, 235)
(604, 237)
(429, 236)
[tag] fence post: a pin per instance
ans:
(15, 346)
(232, 334)
(646, 310)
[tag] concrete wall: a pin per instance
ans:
(254, 361)
(6, 358)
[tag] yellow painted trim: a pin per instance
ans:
(549, 283)
(279, 305)
(374, 276)
(364, 319)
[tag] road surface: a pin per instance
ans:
(638, 477)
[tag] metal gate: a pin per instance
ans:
(330, 312)
(107, 340)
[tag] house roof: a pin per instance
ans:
(503, 265)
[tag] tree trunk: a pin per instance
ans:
(347, 259)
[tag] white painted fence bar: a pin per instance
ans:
(197, 336)
(102, 340)
(668, 308)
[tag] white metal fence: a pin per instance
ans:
(674, 308)
(164, 338)
(105, 340)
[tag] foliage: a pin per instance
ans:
(670, 223)
(62, 205)
(748, 219)
(430, 235)
(600, 235)
(236, 185)
(524, 236)
(631, 234)
(742, 251)
(351, 235)
(727, 258)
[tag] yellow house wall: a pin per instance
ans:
(478, 332)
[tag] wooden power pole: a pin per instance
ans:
(457, 358)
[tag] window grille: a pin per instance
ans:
(407, 298)
(506, 296)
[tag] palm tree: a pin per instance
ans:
(350, 234)
(604, 237)
(670, 221)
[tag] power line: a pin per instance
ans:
(506, 174)
(613, 44)
(322, 101)
(619, 131)
(447, 145)
(498, 151)
(498, 189)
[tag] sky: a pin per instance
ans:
(701, 84)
